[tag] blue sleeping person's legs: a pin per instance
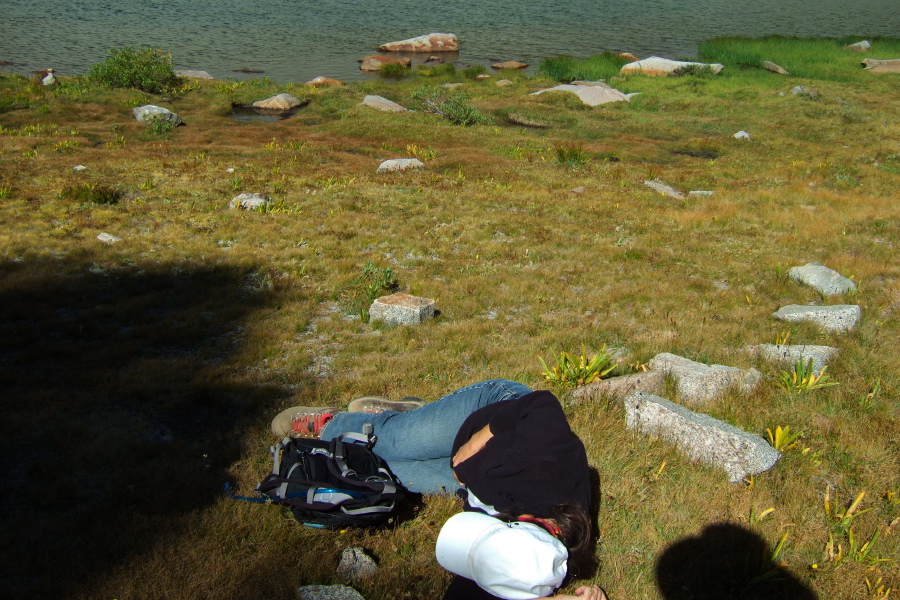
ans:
(417, 444)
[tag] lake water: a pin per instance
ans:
(296, 40)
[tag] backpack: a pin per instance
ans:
(332, 484)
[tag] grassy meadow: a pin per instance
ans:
(138, 377)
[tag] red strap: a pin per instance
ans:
(553, 528)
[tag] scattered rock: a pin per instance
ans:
(664, 189)
(805, 91)
(250, 201)
(401, 309)
(317, 81)
(434, 60)
(656, 66)
(770, 66)
(193, 74)
(652, 382)
(144, 114)
(482, 77)
(787, 356)
(329, 592)
(108, 238)
(5, 63)
(400, 164)
(49, 78)
(452, 86)
(628, 56)
(701, 193)
(279, 102)
(842, 317)
(578, 190)
(382, 103)
(374, 62)
(510, 64)
(247, 70)
(741, 135)
(700, 384)
(859, 46)
(701, 437)
(824, 280)
(356, 564)
(520, 119)
(591, 93)
(882, 66)
(504, 82)
(79, 168)
(433, 42)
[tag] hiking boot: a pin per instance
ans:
(302, 421)
(377, 404)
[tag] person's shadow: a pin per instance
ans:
(725, 562)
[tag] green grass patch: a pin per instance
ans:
(566, 69)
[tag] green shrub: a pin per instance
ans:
(453, 106)
(566, 69)
(159, 126)
(392, 70)
(91, 193)
(474, 71)
(147, 69)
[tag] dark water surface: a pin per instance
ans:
(296, 40)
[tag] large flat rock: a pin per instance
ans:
(841, 317)
(698, 383)
(700, 437)
(618, 388)
(826, 281)
(591, 95)
(787, 355)
(432, 42)
(657, 66)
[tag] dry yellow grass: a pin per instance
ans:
(138, 377)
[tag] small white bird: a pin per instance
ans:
(49, 78)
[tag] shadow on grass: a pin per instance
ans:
(725, 562)
(118, 411)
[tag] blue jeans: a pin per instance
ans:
(418, 444)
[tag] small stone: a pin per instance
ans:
(826, 281)
(482, 77)
(770, 66)
(453, 86)
(804, 90)
(279, 102)
(149, 112)
(652, 382)
(382, 103)
(400, 164)
(374, 62)
(836, 318)
(401, 309)
(509, 64)
(250, 201)
(191, 74)
(741, 135)
(79, 168)
(503, 82)
(108, 238)
(323, 81)
(701, 193)
(664, 189)
(700, 437)
(329, 592)
(859, 46)
(525, 120)
(787, 356)
(356, 564)
(578, 190)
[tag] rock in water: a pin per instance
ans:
(374, 62)
(433, 42)
(510, 64)
(279, 102)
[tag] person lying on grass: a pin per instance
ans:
(506, 449)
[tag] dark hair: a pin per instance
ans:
(574, 532)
